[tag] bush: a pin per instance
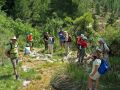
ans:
(112, 37)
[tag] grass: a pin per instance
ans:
(112, 78)
(7, 79)
(109, 81)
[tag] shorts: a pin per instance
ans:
(96, 76)
(14, 61)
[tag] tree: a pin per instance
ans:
(63, 7)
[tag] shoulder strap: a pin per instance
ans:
(103, 50)
(11, 46)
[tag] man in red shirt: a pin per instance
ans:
(81, 44)
(30, 40)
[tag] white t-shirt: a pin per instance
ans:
(96, 75)
(27, 50)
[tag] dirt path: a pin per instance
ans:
(45, 73)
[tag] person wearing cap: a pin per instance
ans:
(105, 49)
(95, 75)
(13, 54)
(82, 44)
(30, 40)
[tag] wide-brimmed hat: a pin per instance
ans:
(13, 38)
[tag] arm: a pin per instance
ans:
(106, 48)
(95, 70)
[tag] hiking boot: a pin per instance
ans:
(17, 77)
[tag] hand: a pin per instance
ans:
(92, 75)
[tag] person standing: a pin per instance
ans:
(61, 37)
(30, 40)
(82, 44)
(66, 43)
(95, 75)
(105, 49)
(50, 44)
(12, 53)
(45, 38)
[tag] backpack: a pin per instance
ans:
(51, 40)
(7, 52)
(69, 39)
(103, 68)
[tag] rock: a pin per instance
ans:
(64, 82)
(48, 55)
(25, 68)
(50, 61)
(26, 82)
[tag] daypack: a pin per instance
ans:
(50, 40)
(7, 52)
(69, 39)
(103, 68)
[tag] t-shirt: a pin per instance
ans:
(61, 36)
(50, 40)
(27, 50)
(29, 38)
(45, 37)
(81, 42)
(95, 62)
(13, 48)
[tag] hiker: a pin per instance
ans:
(50, 44)
(27, 49)
(81, 44)
(30, 40)
(61, 37)
(66, 43)
(45, 38)
(105, 49)
(69, 40)
(12, 53)
(95, 75)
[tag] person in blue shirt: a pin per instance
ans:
(61, 37)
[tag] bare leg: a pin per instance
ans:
(97, 84)
(90, 83)
(15, 68)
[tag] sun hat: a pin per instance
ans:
(13, 38)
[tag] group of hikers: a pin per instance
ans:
(100, 53)
(64, 39)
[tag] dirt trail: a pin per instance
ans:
(45, 73)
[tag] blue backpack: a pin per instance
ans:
(103, 68)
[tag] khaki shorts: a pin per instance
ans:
(96, 76)
(14, 61)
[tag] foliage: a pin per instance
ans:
(83, 22)
(67, 7)
(19, 29)
(111, 78)
(112, 37)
